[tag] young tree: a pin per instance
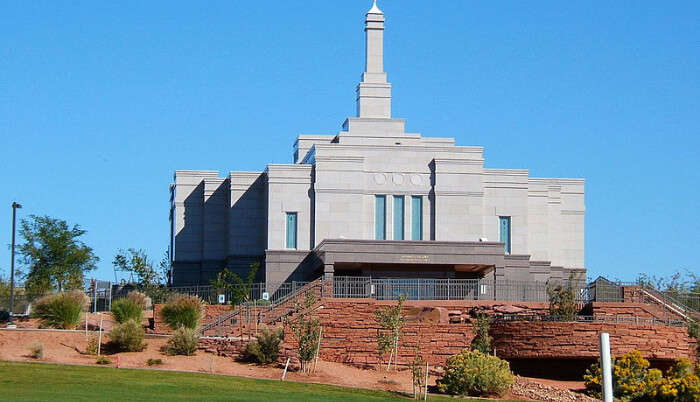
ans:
(391, 322)
(306, 329)
(227, 281)
(562, 301)
(482, 326)
(139, 267)
(54, 255)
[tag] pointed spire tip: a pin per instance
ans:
(375, 9)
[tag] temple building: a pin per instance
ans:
(373, 200)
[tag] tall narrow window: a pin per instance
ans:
(416, 218)
(505, 232)
(398, 217)
(291, 230)
(380, 217)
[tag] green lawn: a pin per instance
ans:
(42, 382)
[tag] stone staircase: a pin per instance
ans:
(245, 318)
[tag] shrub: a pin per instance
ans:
(482, 340)
(630, 375)
(681, 384)
(92, 345)
(562, 301)
(472, 373)
(36, 350)
(182, 311)
(127, 309)
(61, 310)
(4, 316)
(593, 379)
(154, 362)
(634, 381)
(266, 348)
(102, 360)
(141, 299)
(128, 337)
(183, 342)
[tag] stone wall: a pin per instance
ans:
(547, 340)
(438, 328)
(631, 309)
(441, 329)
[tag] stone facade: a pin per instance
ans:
(434, 190)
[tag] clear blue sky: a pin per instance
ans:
(101, 101)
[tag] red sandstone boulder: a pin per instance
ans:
(436, 315)
(508, 309)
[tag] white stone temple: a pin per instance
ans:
(375, 200)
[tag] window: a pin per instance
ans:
(380, 217)
(416, 218)
(291, 230)
(505, 232)
(398, 217)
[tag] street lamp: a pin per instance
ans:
(15, 206)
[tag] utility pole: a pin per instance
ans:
(15, 207)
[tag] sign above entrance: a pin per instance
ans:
(419, 259)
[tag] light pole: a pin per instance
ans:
(15, 206)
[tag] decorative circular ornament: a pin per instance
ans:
(416, 180)
(398, 179)
(380, 178)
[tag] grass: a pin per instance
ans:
(41, 382)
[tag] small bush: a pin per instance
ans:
(154, 362)
(141, 299)
(562, 301)
(472, 373)
(4, 316)
(36, 350)
(630, 375)
(482, 325)
(266, 348)
(634, 381)
(182, 311)
(102, 360)
(128, 337)
(92, 345)
(61, 310)
(681, 384)
(127, 309)
(183, 342)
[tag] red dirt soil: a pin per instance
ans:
(68, 347)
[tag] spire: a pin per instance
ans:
(375, 9)
(374, 92)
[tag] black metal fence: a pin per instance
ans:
(450, 289)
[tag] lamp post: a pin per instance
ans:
(15, 206)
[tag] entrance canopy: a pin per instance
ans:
(410, 259)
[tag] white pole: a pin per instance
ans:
(99, 340)
(284, 374)
(425, 394)
(318, 347)
(606, 369)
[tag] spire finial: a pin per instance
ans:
(375, 9)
